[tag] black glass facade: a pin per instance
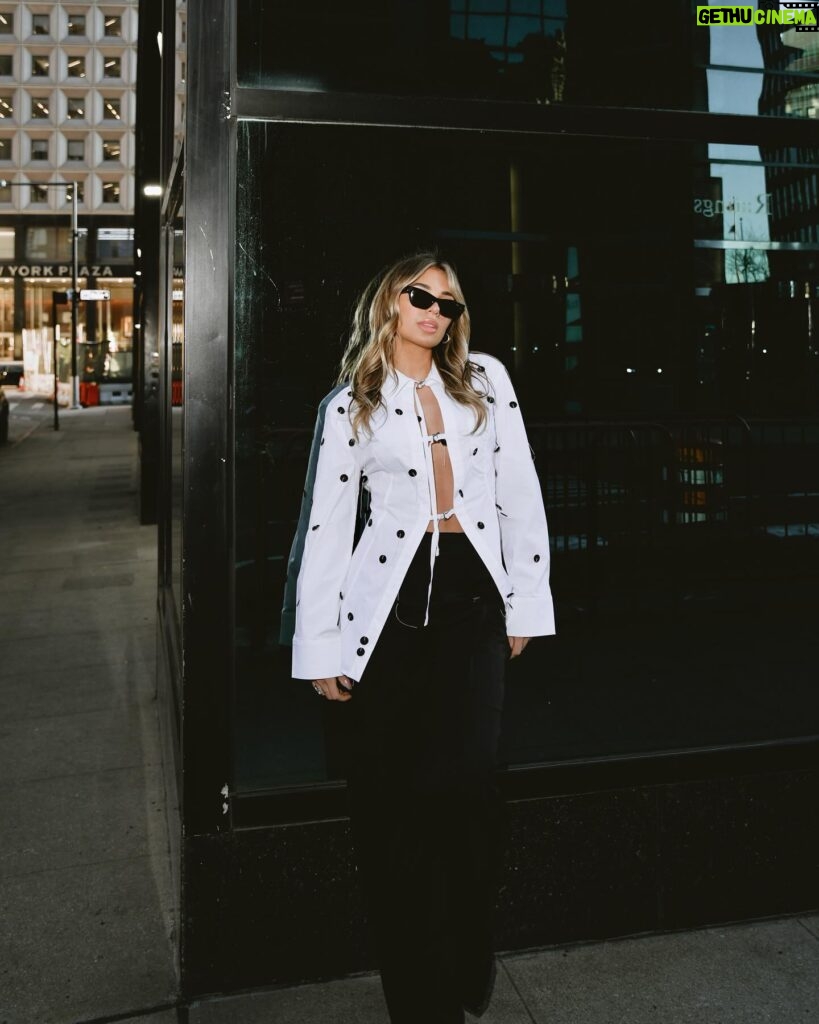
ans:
(630, 203)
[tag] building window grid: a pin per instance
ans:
(98, 106)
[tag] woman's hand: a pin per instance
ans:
(334, 688)
(517, 644)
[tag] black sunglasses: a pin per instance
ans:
(421, 299)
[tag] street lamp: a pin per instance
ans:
(75, 296)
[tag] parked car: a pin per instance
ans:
(11, 372)
(4, 417)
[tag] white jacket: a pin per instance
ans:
(343, 596)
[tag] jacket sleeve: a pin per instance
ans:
(288, 617)
(328, 542)
(522, 517)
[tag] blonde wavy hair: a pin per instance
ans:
(368, 357)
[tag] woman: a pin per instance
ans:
(409, 633)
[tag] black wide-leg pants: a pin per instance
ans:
(427, 817)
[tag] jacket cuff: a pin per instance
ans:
(317, 659)
(530, 616)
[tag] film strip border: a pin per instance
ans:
(795, 5)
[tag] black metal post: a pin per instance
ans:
(54, 329)
(75, 298)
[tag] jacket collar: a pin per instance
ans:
(397, 381)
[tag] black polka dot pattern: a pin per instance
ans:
(364, 640)
(315, 527)
(351, 442)
(382, 559)
(480, 526)
(497, 449)
(460, 492)
(350, 616)
(341, 409)
(369, 522)
(490, 399)
(474, 451)
(399, 412)
(400, 533)
(413, 472)
(344, 478)
(513, 405)
(322, 440)
(360, 651)
(537, 558)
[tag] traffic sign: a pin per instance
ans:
(94, 294)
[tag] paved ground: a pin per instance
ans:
(86, 921)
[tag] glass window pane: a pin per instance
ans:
(660, 332)
(111, 108)
(7, 243)
(115, 244)
(40, 24)
(40, 65)
(6, 64)
(6, 23)
(113, 25)
(110, 191)
(50, 243)
(5, 149)
(75, 108)
(6, 106)
(76, 149)
(529, 52)
(76, 66)
(112, 67)
(40, 108)
(39, 149)
(76, 24)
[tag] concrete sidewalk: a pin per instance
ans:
(85, 905)
(86, 908)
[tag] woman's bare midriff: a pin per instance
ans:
(441, 463)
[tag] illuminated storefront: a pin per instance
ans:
(36, 263)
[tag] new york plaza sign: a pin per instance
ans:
(57, 270)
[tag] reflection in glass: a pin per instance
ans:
(667, 367)
(175, 263)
